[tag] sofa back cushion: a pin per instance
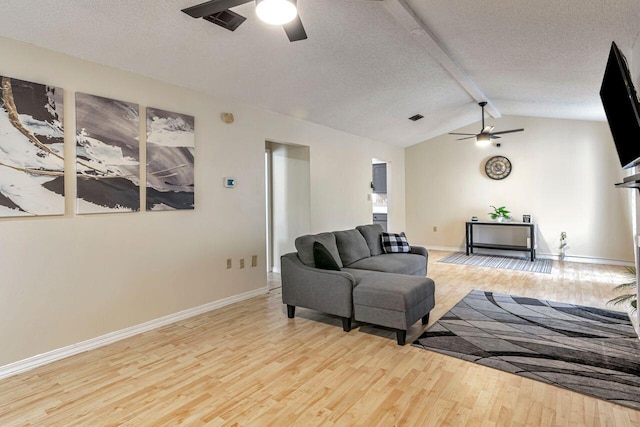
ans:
(304, 246)
(351, 246)
(371, 234)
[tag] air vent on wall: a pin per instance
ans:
(226, 19)
(416, 117)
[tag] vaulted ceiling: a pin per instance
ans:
(367, 66)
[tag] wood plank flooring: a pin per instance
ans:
(248, 365)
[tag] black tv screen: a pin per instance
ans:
(621, 106)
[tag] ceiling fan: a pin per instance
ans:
(275, 12)
(217, 12)
(486, 134)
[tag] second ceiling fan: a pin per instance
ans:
(486, 134)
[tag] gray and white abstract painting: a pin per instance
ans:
(31, 149)
(170, 160)
(107, 155)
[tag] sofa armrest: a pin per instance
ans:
(419, 250)
(328, 291)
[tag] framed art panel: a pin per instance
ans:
(107, 155)
(170, 160)
(31, 149)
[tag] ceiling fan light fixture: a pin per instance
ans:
(276, 12)
(483, 139)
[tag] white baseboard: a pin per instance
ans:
(591, 260)
(443, 248)
(580, 259)
(93, 343)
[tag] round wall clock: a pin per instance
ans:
(498, 167)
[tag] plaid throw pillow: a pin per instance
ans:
(395, 243)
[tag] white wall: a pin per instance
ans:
(291, 205)
(71, 278)
(563, 175)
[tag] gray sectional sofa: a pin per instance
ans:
(371, 286)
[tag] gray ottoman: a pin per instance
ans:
(393, 300)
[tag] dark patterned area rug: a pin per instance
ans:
(588, 350)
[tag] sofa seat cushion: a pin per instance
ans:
(387, 291)
(393, 300)
(304, 246)
(351, 246)
(393, 263)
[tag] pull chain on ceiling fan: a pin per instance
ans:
(486, 134)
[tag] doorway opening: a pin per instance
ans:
(380, 192)
(287, 190)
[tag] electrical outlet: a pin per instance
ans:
(435, 228)
(228, 263)
(254, 260)
(241, 262)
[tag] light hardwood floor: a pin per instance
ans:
(248, 365)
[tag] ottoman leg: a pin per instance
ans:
(401, 336)
(291, 311)
(346, 324)
(425, 318)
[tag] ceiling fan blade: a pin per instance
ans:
(469, 137)
(211, 7)
(495, 137)
(507, 131)
(295, 31)
(456, 133)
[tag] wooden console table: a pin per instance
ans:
(532, 237)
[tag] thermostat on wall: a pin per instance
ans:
(229, 182)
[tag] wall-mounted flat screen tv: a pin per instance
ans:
(621, 106)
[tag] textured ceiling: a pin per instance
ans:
(367, 65)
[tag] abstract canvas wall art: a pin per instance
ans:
(107, 155)
(170, 160)
(31, 149)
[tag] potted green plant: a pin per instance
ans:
(632, 298)
(500, 214)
